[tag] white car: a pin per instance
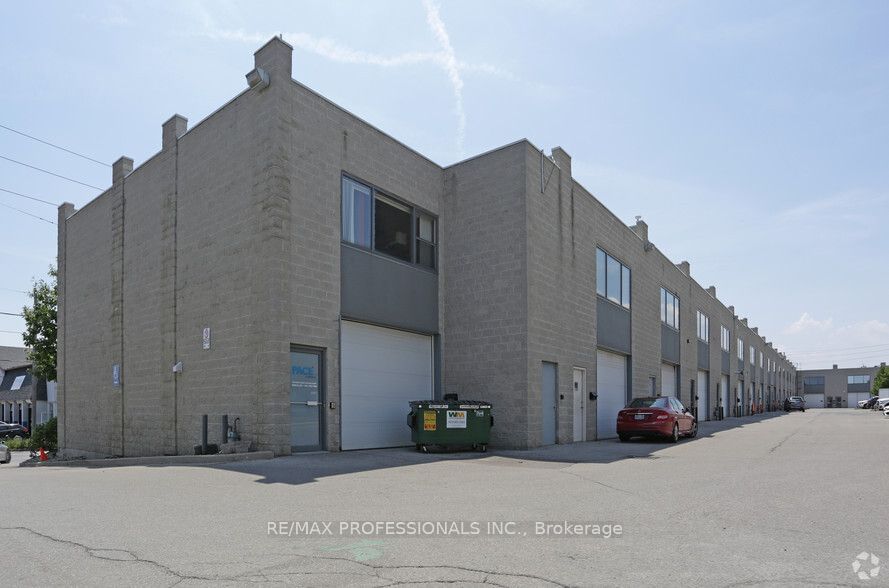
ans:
(861, 403)
(881, 403)
(5, 454)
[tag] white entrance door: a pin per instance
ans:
(579, 404)
(611, 388)
(382, 371)
(726, 407)
(703, 392)
(668, 380)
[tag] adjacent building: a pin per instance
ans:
(291, 267)
(24, 399)
(836, 388)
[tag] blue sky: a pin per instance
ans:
(770, 116)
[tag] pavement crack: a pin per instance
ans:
(112, 554)
(597, 482)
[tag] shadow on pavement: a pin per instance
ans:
(309, 467)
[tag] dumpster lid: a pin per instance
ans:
(452, 404)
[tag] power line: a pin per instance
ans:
(11, 314)
(14, 290)
(28, 213)
(51, 173)
(28, 197)
(56, 146)
(13, 332)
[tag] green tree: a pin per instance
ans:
(881, 380)
(40, 326)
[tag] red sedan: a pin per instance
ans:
(662, 416)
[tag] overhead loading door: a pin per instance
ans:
(668, 380)
(703, 392)
(382, 371)
(814, 400)
(611, 388)
(726, 404)
(853, 398)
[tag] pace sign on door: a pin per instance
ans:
(456, 419)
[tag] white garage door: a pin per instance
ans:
(668, 380)
(814, 400)
(382, 371)
(853, 398)
(726, 404)
(611, 387)
(703, 392)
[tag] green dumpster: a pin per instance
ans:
(450, 423)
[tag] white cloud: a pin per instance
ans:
(807, 322)
(451, 66)
(445, 58)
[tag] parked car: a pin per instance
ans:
(886, 410)
(660, 416)
(8, 430)
(794, 403)
(869, 403)
(5, 454)
(881, 403)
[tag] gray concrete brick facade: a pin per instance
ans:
(235, 226)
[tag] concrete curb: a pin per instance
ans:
(165, 460)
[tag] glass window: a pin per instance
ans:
(858, 379)
(600, 272)
(740, 349)
(612, 279)
(703, 327)
(648, 403)
(356, 213)
(392, 228)
(669, 308)
(425, 240)
(625, 286)
(726, 338)
(752, 355)
(612, 284)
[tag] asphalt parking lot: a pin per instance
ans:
(782, 499)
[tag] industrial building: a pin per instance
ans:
(836, 387)
(286, 264)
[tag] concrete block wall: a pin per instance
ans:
(89, 405)
(325, 142)
(485, 334)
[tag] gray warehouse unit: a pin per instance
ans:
(837, 387)
(288, 265)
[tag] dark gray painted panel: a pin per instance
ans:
(858, 387)
(703, 355)
(386, 292)
(669, 344)
(813, 389)
(612, 326)
(726, 366)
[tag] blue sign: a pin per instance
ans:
(115, 375)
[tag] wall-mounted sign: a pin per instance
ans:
(206, 342)
(115, 374)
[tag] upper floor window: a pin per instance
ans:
(760, 359)
(813, 381)
(374, 220)
(703, 327)
(669, 308)
(612, 279)
(740, 349)
(858, 380)
(752, 355)
(725, 340)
